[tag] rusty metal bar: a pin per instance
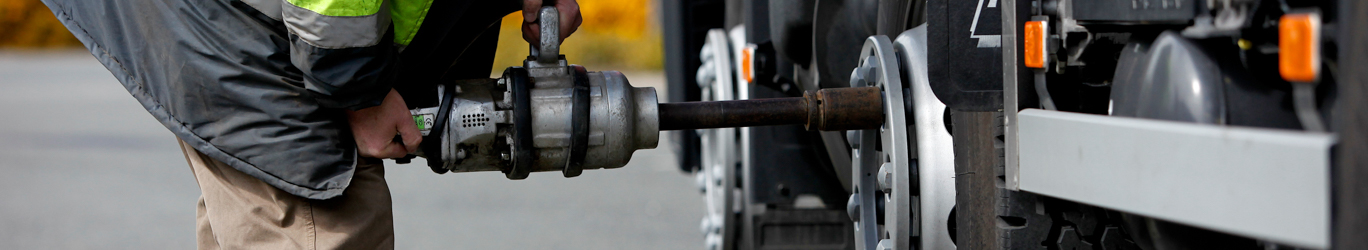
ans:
(826, 109)
(845, 109)
(726, 114)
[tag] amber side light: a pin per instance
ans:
(746, 64)
(1299, 47)
(1035, 44)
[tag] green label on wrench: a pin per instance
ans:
(419, 119)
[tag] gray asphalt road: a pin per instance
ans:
(85, 167)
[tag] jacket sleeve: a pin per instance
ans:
(344, 49)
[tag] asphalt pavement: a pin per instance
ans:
(86, 167)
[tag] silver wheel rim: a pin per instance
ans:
(716, 177)
(885, 170)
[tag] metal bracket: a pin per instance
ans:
(523, 151)
(579, 125)
(1010, 103)
(433, 142)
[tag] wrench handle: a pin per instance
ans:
(549, 52)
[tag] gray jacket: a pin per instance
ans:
(260, 85)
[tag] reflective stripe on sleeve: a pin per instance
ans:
(344, 30)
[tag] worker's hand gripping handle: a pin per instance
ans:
(494, 124)
(549, 20)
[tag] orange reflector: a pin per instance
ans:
(1299, 47)
(746, 64)
(1035, 44)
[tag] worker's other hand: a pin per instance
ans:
(375, 127)
(569, 20)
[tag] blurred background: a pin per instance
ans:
(28, 24)
(617, 34)
(621, 35)
(86, 167)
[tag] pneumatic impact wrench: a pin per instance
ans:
(549, 115)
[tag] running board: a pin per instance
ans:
(1259, 183)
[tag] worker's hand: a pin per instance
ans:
(569, 20)
(375, 127)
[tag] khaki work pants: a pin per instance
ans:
(237, 211)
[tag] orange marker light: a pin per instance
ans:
(1299, 47)
(746, 64)
(1035, 44)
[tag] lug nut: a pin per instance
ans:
(871, 74)
(705, 54)
(713, 242)
(853, 206)
(705, 74)
(853, 138)
(857, 77)
(705, 225)
(885, 177)
(701, 179)
(885, 244)
(719, 174)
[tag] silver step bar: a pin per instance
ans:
(1260, 183)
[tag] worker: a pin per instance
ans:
(283, 108)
